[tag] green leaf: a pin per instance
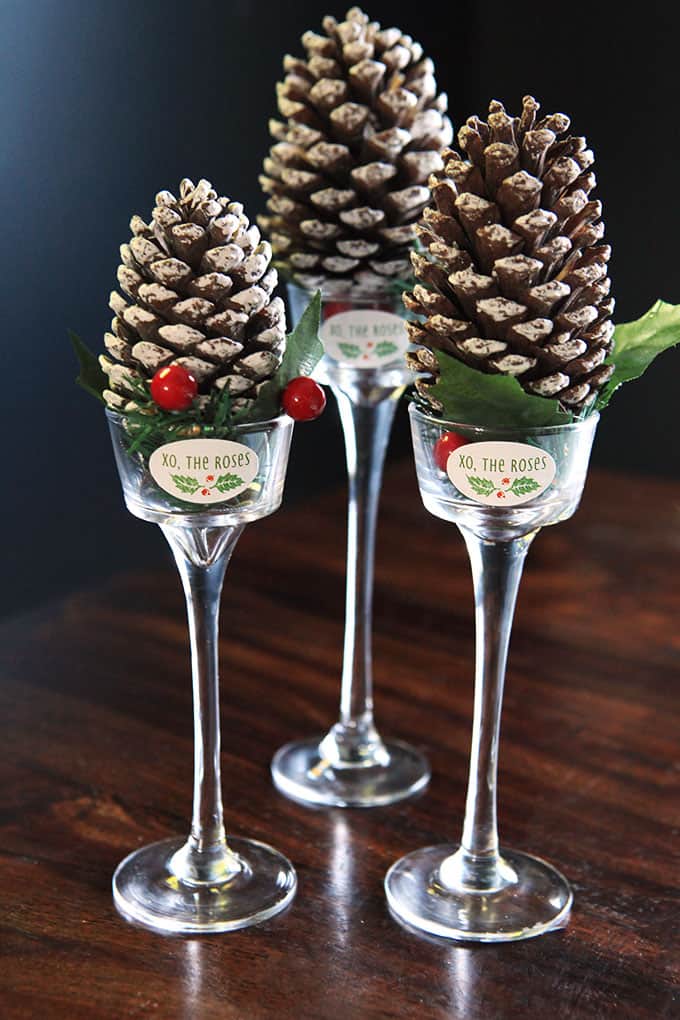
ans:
(186, 484)
(471, 397)
(227, 482)
(482, 486)
(303, 347)
(350, 350)
(637, 343)
(303, 350)
(521, 486)
(92, 378)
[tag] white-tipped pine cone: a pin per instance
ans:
(347, 178)
(198, 286)
(513, 277)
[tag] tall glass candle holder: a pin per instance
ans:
(202, 492)
(352, 766)
(499, 488)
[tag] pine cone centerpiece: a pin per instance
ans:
(198, 283)
(513, 277)
(347, 177)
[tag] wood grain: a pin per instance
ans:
(95, 759)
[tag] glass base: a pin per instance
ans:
(301, 773)
(147, 893)
(532, 898)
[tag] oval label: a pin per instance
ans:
(500, 474)
(364, 337)
(203, 470)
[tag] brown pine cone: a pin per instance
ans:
(513, 277)
(199, 286)
(363, 129)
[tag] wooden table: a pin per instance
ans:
(95, 759)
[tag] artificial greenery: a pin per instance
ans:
(149, 426)
(92, 377)
(637, 345)
(303, 351)
(472, 397)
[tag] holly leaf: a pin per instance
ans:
(637, 343)
(471, 397)
(227, 482)
(482, 486)
(522, 486)
(303, 347)
(303, 351)
(92, 377)
(186, 484)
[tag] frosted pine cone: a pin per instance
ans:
(363, 129)
(513, 278)
(198, 283)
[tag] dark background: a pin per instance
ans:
(105, 102)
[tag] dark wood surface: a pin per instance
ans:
(95, 759)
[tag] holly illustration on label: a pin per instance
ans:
(385, 348)
(518, 486)
(350, 350)
(190, 485)
(173, 388)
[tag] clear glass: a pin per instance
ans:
(352, 766)
(478, 891)
(206, 883)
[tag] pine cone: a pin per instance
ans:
(514, 277)
(200, 286)
(347, 176)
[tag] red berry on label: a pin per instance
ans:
(303, 399)
(445, 445)
(506, 481)
(205, 492)
(500, 495)
(173, 388)
(210, 478)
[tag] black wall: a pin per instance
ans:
(104, 102)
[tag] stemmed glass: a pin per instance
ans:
(202, 492)
(352, 766)
(499, 488)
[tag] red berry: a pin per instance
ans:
(210, 478)
(205, 492)
(303, 399)
(173, 388)
(500, 495)
(445, 445)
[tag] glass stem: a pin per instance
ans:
(496, 573)
(202, 555)
(366, 422)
